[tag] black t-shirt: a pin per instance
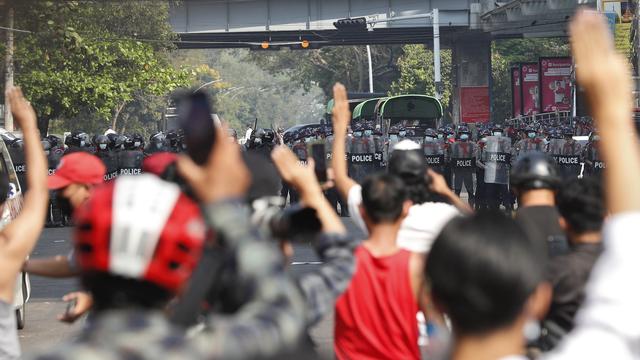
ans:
(543, 228)
(568, 275)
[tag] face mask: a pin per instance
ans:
(497, 133)
(357, 133)
(393, 137)
(136, 143)
(368, 133)
(464, 137)
(428, 139)
(103, 146)
(450, 136)
(531, 135)
(484, 139)
(402, 133)
(440, 136)
(81, 143)
(158, 145)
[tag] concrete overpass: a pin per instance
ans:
(466, 26)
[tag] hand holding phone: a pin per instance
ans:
(198, 125)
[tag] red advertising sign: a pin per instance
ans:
(530, 93)
(555, 84)
(474, 104)
(516, 92)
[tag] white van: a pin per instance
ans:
(9, 210)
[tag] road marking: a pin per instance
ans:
(58, 241)
(306, 263)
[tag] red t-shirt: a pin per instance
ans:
(375, 317)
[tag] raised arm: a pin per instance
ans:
(273, 317)
(341, 120)
(334, 246)
(605, 325)
(19, 237)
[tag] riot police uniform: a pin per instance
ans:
(496, 162)
(531, 143)
(434, 151)
(464, 154)
(108, 157)
(594, 165)
(567, 154)
(157, 143)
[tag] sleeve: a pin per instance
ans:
(606, 325)
(273, 317)
(354, 200)
(321, 288)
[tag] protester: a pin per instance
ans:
(499, 271)
(582, 211)
(406, 161)
(535, 180)
(133, 267)
(20, 236)
(376, 316)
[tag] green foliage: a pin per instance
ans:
(417, 73)
(507, 53)
(326, 66)
(89, 62)
(244, 91)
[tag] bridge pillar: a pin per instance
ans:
(471, 61)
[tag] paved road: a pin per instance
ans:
(43, 330)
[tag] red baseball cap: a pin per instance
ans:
(157, 163)
(77, 168)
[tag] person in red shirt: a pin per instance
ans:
(375, 317)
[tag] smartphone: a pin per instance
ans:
(198, 125)
(320, 160)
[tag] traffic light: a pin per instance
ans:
(355, 24)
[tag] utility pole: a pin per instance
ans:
(8, 66)
(437, 77)
(370, 69)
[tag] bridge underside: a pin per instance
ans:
(319, 38)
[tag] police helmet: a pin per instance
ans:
(46, 144)
(269, 135)
(113, 139)
(567, 131)
(101, 142)
(535, 170)
(430, 133)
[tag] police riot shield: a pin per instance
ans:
(526, 146)
(130, 162)
(594, 166)
(362, 157)
(566, 154)
(434, 153)
(300, 149)
(110, 161)
(463, 157)
(17, 157)
(497, 160)
(53, 159)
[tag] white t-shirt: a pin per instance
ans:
(421, 226)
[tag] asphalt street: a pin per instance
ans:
(43, 331)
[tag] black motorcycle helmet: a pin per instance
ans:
(54, 141)
(269, 136)
(101, 142)
(138, 141)
(173, 138)
(113, 140)
(535, 170)
(157, 140)
(120, 141)
(77, 139)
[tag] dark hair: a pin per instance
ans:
(482, 269)
(581, 203)
(383, 196)
(410, 167)
(115, 292)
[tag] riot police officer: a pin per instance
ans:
(463, 153)
(108, 157)
(528, 144)
(434, 151)
(157, 143)
(496, 163)
(566, 152)
(130, 158)
(481, 196)
(361, 149)
(16, 152)
(77, 141)
(175, 141)
(594, 166)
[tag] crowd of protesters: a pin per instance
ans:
(173, 263)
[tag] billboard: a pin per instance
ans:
(529, 86)
(516, 92)
(555, 84)
(474, 104)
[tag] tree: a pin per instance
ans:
(94, 59)
(326, 66)
(417, 73)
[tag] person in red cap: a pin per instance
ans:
(76, 176)
(18, 238)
